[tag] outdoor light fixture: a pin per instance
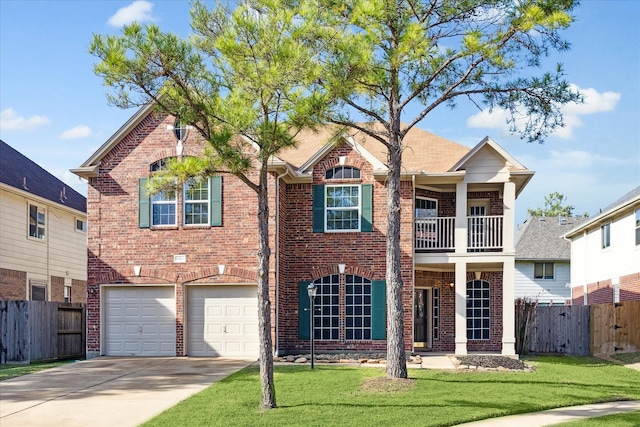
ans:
(137, 269)
(341, 268)
(311, 290)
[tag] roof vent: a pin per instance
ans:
(24, 183)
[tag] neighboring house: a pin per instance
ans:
(43, 233)
(175, 273)
(543, 260)
(605, 254)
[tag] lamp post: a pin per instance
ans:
(311, 290)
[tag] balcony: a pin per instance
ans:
(437, 234)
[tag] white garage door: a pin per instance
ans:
(140, 321)
(222, 321)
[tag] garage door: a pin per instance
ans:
(222, 321)
(140, 321)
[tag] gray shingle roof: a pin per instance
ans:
(539, 238)
(16, 170)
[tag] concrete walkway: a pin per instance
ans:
(108, 391)
(559, 415)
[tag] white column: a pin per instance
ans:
(509, 225)
(508, 309)
(461, 218)
(461, 307)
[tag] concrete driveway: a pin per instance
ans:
(108, 391)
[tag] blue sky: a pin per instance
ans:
(53, 108)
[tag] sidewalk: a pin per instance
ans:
(559, 415)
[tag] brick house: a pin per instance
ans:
(175, 274)
(605, 254)
(43, 239)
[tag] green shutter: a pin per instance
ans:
(303, 311)
(215, 200)
(318, 208)
(378, 310)
(367, 208)
(144, 204)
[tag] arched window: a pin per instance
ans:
(342, 172)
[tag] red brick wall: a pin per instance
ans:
(307, 256)
(577, 295)
(600, 292)
(78, 290)
(13, 285)
(116, 244)
(57, 289)
(630, 287)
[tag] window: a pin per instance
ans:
(342, 172)
(478, 310)
(327, 305)
(637, 227)
(426, 208)
(81, 225)
(67, 293)
(347, 308)
(543, 270)
(163, 206)
(358, 308)
(196, 202)
(200, 199)
(38, 293)
(606, 235)
(343, 208)
(37, 221)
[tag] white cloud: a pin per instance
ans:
(9, 120)
(138, 11)
(594, 102)
(76, 132)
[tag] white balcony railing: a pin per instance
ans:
(435, 233)
(484, 232)
(438, 233)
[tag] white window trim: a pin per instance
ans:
(206, 201)
(44, 225)
(164, 202)
(544, 271)
(84, 225)
(429, 199)
(326, 208)
(606, 226)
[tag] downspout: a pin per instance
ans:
(277, 262)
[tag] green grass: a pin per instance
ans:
(628, 357)
(628, 419)
(12, 371)
(334, 395)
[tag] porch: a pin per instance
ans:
(438, 234)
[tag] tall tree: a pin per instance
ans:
(554, 205)
(242, 81)
(388, 56)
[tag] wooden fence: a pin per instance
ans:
(581, 330)
(39, 330)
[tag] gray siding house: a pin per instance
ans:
(542, 263)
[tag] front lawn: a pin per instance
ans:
(333, 395)
(12, 371)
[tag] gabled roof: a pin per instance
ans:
(625, 202)
(540, 238)
(18, 172)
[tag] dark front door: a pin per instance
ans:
(421, 327)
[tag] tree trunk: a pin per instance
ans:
(264, 304)
(396, 357)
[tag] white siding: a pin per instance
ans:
(63, 251)
(591, 263)
(544, 291)
(485, 167)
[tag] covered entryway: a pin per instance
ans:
(222, 321)
(139, 321)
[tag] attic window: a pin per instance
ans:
(180, 130)
(342, 172)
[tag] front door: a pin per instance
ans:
(421, 319)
